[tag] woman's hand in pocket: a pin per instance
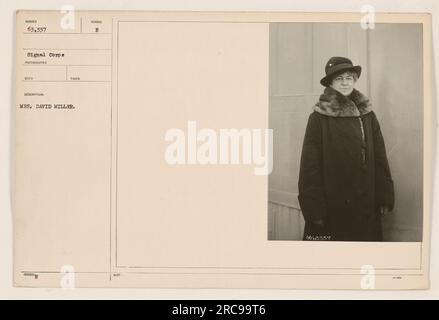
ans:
(384, 210)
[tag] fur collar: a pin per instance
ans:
(334, 104)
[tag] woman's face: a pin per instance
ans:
(344, 83)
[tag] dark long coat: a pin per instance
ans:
(344, 172)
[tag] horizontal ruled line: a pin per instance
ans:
(64, 33)
(232, 273)
(283, 268)
(73, 81)
(91, 49)
(65, 65)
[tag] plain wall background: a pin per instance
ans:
(391, 57)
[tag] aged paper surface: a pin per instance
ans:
(97, 203)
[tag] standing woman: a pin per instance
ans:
(345, 185)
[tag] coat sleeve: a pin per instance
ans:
(384, 189)
(312, 197)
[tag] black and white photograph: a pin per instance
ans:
(346, 110)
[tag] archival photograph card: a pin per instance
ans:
(222, 150)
